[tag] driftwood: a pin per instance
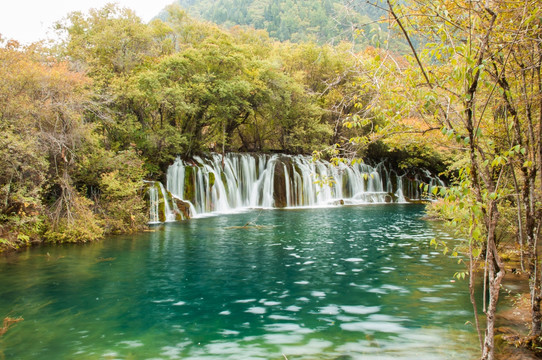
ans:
(8, 322)
(250, 225)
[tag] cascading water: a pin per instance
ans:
(154, 210)
(169, 205)
(241, 181)
(399, 193)
(161, 206)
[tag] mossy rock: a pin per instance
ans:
(346, 185)
(212, 179)
(279, 186)
(189, 183)
(161, 208)
(297, 169)
(146, 187)
(390, 198)
(184, 208)
(223, 178)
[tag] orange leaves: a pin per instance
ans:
(31, 81)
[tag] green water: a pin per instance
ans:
(341, 283)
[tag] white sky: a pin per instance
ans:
(31, 20)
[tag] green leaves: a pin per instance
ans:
(460, 275)
(23, 238)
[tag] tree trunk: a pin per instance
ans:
(496, 273)
(533, 260)
(472, 274)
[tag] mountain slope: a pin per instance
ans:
(297, 20)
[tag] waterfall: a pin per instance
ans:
(153, 205)
(399, 193)
(243, 181)
(169, 205)
(162, 208)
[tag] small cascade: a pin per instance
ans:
(169, 205)
(399, 193)
(153, 205)
(162, 208)
(242, 181)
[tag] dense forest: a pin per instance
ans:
(326, 21)
(86, 120)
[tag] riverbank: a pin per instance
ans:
(514, 317)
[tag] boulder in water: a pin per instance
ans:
(184, 208)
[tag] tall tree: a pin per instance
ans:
(470, 93)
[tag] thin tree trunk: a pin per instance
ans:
(472, 274)
(520, 221)
(496, 273)
(533, 268)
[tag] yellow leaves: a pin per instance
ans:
(25, 74)
(498, 161)
(358, 140)
(322, 180)
(23, 238)
(356, 161)
(445, 249)
(413, 122)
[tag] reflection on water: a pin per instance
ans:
(341, 283)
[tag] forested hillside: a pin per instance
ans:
(302, 20)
